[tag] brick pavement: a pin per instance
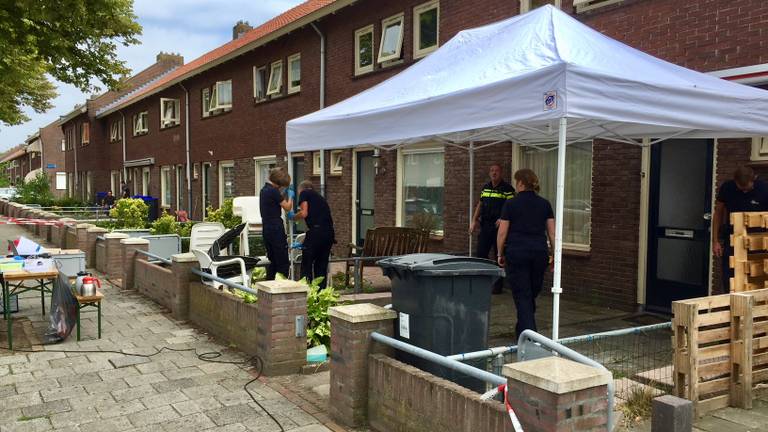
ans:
(173, 391)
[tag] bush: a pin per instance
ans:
(166, 224)
(130, 213)
(35, 191)
(224, 215)
(318, 302)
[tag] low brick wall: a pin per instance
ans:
(403, 398)
(224, 316)
(155, 282)
(101, 255)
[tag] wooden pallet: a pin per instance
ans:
(749, 244)
(702, 351)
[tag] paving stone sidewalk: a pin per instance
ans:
(173, 391)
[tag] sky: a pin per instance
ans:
(188, 27)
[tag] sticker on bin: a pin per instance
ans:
(405, 328)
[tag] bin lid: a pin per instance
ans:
(443, 265)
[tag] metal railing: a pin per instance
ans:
(225, 282)
(154, 257)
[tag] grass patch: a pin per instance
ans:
(638, 405)
(28, 418)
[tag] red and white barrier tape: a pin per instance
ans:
(25, 221)
(495, 391)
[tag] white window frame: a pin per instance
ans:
(525, 5)
(222, 166)
(417, 11)
(358, 34)
(61, 180)
(337, 167)
(146, 178)
(259, 162)
(115, 131)
(140, 125)
(216, 94)
(180, 181)
(293, 88)
(63, 144)
(264, 84)
(164, 186)
(275, 66)
(206, 105)
(759, 148)
(429, 147)
(587, 5)
(316, 168)
(85, 133)
(399, 50)
(166, 122)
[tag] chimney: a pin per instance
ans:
(241, 28)
(172, 58)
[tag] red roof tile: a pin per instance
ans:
(259, 32)
(13, 155)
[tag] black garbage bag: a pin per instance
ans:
(63, 313)
(222, 243)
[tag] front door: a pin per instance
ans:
(364, 203)
(679, 232)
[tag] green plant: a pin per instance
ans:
(339, 282)
(130, 213)
(638, 404)
(165, 224)
(35, 191)
(318, 302)
(258, 274)
(224, 215)
(248, 298)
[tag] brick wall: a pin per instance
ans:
(404, 398)
(155, 282)
(224, 316)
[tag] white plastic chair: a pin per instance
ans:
(249, 210)
(202, 238)
(207, 263)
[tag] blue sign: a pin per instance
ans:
(50, 166)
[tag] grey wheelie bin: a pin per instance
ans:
(444, 306)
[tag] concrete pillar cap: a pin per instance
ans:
(115, 236)
(84, 226)
(186, 257)
(134, 241)
(556, 374)
(363, 312)
(95, 229)
(282, 287)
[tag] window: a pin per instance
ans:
(263, 166)
(165, 187)
(116, 131)
(586, 5)
(145, 177)
(577, 215)
(217, 98)
(275, 78)
(226, 181)
(85, 134)
(759, 148)
(423, 173)
(180, 180)
(169, 112)
(391, 39)
(115, 183)
(206, 98)
(140, 126)
(260, 83)
(426, 28)
(364, 50)
(529, 5)
(316, 168)
(61, 181)
(336, 167)
(64, 144)
(294, 73)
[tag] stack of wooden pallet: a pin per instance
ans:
(750, 251)
(720, 349)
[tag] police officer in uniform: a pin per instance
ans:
(744, 193)
(486, 215)
(272, 202)
(320, 238)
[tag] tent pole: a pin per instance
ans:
(290, 223)
(471, 188)
(559, 204)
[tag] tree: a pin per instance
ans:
(73, 41)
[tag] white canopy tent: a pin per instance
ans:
(535, 80)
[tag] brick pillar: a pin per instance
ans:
(351, 328)
(280, 302)
(128, 248)
(81, 236)
(555, 394)
(92, 234)
(181, 264)
(61, 234)
(113, 258)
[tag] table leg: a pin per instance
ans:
(78, 323)
(98, 306)
(42, 295)
(7, 314)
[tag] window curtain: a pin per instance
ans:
(423, 184)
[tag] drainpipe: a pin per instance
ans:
(322, 102)
(186, 143)
(74, 150)
(122, 133)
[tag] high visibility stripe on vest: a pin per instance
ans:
(490, 193)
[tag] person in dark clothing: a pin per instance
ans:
(271, 204)
(125, 190)
(313, 208)
(744, 193)
(487, 212)
(109, 200)
(527, 222)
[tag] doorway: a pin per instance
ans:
(364, 202)
(679, 222)
(206, 187)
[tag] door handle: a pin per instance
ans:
(678, 233)
(707, 216)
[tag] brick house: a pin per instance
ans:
(18, 163)
(211, 129)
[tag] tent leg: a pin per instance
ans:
(471, 188)
(291, 260)
(559, 204)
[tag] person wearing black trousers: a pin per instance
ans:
(486, 215)
(271, 204)
(320, 235)
(526, 223)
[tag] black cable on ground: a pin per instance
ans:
(210, 357)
